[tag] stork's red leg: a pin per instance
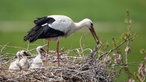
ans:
(57, 51)
(47, 53)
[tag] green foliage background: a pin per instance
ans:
(16, 18)
(98, 10)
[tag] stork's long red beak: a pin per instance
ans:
(94, 35)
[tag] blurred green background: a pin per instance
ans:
(16, 18)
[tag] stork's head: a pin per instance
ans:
(40, 49)
(24, 53)
(17, 55)
(87, 22)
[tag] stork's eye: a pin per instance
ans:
(91, 24)
(42, 50)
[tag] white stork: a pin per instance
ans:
(24, 63)
(56, 26)
(37, 62)
(15, 65)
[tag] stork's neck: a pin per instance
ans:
(76, 26)
(39, 53)
(80, 24)
(24, 57)
(18, 57)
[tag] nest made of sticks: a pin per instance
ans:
(89, 69)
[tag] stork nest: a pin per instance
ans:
(73, 69)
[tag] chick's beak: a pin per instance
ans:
(94, 34)
(15, 56)
(43, 51)
(26, 54)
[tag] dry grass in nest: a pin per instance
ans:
(88, 70)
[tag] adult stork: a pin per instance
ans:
(55, 26)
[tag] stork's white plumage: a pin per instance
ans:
(15, 65)
(37, 62)
(24, 63)
(56, 26)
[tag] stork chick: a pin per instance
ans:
(24, 63)
(15, 65)
(37, 62)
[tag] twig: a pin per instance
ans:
(111, 50)
(4, 47)
(14, 47)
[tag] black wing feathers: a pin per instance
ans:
(43, 20)
(40, 32)
(50, 32)
(33, 34)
